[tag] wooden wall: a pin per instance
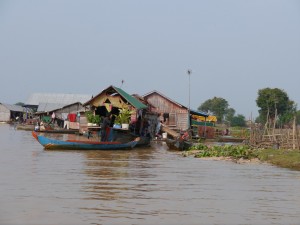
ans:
(164, 105)
(4, 114)
(70, 109)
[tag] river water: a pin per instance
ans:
(141, 186)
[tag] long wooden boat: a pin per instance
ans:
(48, 129)
(59, 131)
(229, 139)
(49, 143)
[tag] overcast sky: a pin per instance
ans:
(233, 47)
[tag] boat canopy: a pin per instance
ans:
(198, 113)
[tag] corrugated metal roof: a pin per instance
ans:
(15, 108)
(63, 99)
(48, 107)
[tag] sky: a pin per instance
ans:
(233, 48)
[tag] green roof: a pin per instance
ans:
(132, 100)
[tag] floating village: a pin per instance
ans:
(115, 119)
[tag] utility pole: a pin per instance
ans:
(189, 72)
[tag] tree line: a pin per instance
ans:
(274, 105)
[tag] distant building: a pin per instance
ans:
(43, 102)
(10, 112)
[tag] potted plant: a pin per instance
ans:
(124, 118)
(93, 120)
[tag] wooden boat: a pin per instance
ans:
(125, 135)
(59, 131)
(48, 129)
(178, 144)
(227, 138)
(49, 143)
(27, 127)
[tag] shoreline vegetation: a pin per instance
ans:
(246, 154)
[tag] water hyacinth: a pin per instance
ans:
(233, 151)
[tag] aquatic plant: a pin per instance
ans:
(234, 151)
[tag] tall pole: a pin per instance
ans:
(189, 72)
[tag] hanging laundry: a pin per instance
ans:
(108, 107)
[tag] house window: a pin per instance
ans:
(172, 119)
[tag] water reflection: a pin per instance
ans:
(109, 171)
(140, 186)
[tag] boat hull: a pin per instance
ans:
(126, 136)
(49, 143)
(178, 144)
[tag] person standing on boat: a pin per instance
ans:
(105, 127)
(158, 128)
(52, 118)
(78, 117)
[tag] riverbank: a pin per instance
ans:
(245, 154)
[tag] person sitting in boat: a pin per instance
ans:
(185, 136)
(226, 132)
(42, 126)
(37, 126)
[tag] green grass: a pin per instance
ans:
(283, 158)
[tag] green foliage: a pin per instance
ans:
(298, 117)
(217, 106)
(229, 115)
(233, 151)
(96, 119)
(199, 146)
(238, 121)
(240, 132)
(91, 118)
(20, 104)
(124, 116)
(270, 100)
(286, 118)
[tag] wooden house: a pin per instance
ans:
(111, 100)
(173, 114)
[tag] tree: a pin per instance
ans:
(288, 116)
(274, 102)
(20, 103)
(217, 106)
(298, 117)
(238, 121)
(229, 115)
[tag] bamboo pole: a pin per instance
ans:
(294, 133)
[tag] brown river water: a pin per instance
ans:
(141, 186)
